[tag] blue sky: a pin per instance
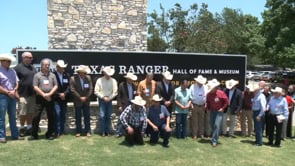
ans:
(24, 22)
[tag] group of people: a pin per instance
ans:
(143, 110)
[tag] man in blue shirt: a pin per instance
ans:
(159, 120)
(278, 111)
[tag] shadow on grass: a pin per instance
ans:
(247, 142)
(205, 141)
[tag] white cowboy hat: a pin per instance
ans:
(138, 101)
(167, 75)
(253, 86)
(156, 97)
(277, 90)
(212, 84)
(9, 57)
(108, 70)
(229, 84)
(131, 76)
(61, 64)
(84, 69)
(200, 79)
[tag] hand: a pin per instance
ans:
(168, 129)
(47, 97)
(83, 99)
(220, 110)
(11, 94)
(258, 118)
(167, 103)
(62, 96)
(120, 109)
(106, 99)
(155, 128)
(130, 130)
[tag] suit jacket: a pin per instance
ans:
(167, 96)
(63, 86)
(123, 97)
(236, 101)
(79, 91)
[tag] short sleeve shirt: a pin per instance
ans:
(44, 81)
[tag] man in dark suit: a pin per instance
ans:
(165, 89)
(126, 92)
(61, 97)
(81, 87)
(235, 105)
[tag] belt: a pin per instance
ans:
(198, 105)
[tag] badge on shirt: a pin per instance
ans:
(46, 82)
(134, 92)
(65, 80)
(162, 116)
(216, 99)
(141, 118)
(147, 92)
(86, 86)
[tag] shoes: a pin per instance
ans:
(269, 143)
(3, 141)
(118, 135)
(50, 138)
(276, 146)
(88, 135)
(32, 138)
(214, 145)
(28, 131)
(18, 138)
(165, 145)
(103, 135)
(22, 132)
(258, 144)
(195, 137)
(78, 135)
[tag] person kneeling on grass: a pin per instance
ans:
(134, 121)
(159, 121)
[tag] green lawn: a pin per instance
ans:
(97, 150)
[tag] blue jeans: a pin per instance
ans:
(258, 128)
(60, 116)
(9, 104)
(215, 121)
(85, 108)
(181, 125)
(105, 112)
(119, 129)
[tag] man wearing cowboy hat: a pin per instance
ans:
(235, 105)
(198, 106)
(81, 88)
(165, 89)
(61, 96)
(159, 121)
(147, 88)
(134, 121)
(258, 107)
(216, 103)
(45, 85)
(25, 72)
(278, 111)
(8, 97)
(126, 92)
(106, 89)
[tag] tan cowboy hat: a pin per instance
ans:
(156, 97)
(253, 86)
(212, 84)
(131, 76)
(61, 64)
(9, 57)
(167, 75)
(108, 70)
(200, 79)
(84, 69)
(277, 90)
(229, 84)
(138, 101)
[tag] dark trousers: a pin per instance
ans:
(135, 138)
(41, 103)
(289, 124)
(85, 111)
(266, 123)
(160, 133)
(274, 124)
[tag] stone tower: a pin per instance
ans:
(118, 25)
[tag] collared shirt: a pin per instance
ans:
(44, 81)
(8, 78)
(278, 106)
(217, 100)
(158, 115)
(183, 97)
(130, 91)
(106, 88)
(259, 103)
(230, 94)
(134, 118)
(146, 90)
(198, 94)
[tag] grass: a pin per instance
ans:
(97, 150)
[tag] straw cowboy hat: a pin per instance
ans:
(131, 76)
(108, 70)
(61, 64)
(277, 90)
(229, 84)
(200, 79)
(167, 75)
(253, 86)
(156, 97)
(8, 57)
(212, 84)
(138, 101)
(83, 69)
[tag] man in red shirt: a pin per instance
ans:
(216, 103)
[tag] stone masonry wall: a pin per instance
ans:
(118, 25)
